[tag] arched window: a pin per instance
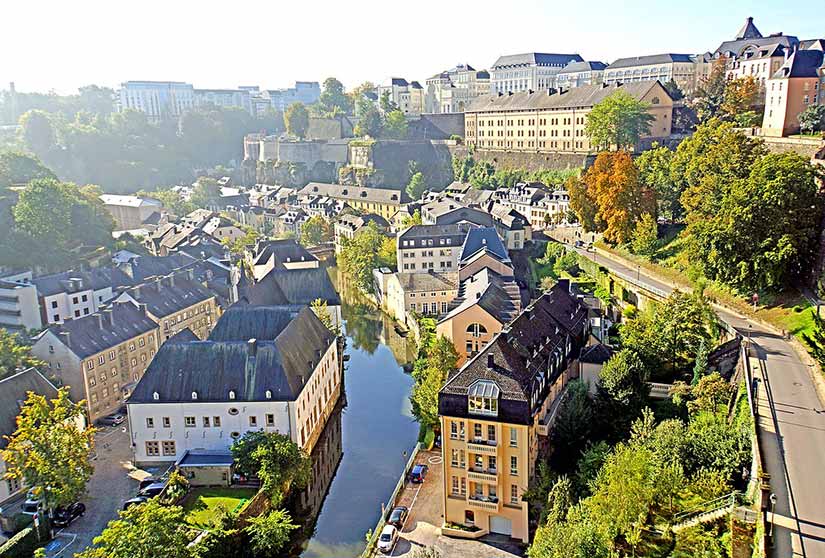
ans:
(156, 396)
(231, 394)
(194, 395)
(655, 101)
(476, 330)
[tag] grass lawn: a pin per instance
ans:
(202, 504)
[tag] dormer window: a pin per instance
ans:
(231, 395)
(156, 396)
(268, 394)
(194, 396)
(482, 398)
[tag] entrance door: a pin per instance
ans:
(501, 525)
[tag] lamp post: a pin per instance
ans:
(773, 514)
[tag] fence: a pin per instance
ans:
(368, 551)
(759, 488)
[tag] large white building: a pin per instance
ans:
(453, 89)
(225, 98)
(305, 92)
(19, 309)
(531, 71)
(159, 100)
(687, 70)
(407, 95)
(262, 369)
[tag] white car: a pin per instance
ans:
(388, 538)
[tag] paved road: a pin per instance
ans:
(793, 428)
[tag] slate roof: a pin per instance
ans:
(94, 279)
(400, 82)
(736, 46)
(416, 282)
(355, 193)
(667, 58)
(141, 268)
(170, 295)
(801, 64)
(586, 66)
(128, 201)
(484, 238)
(596, 354)
(582, 97)
(284, 250)
(250, 368)
(521, 360)
(499, 297)
(539, 58)
(14, 391)
(749, 31)
(183, 336)
(291, 286)
(419, 234)
(242, 322)
(508, 217)
(88, 335)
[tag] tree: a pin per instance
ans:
(395, 125)
(37, 132)
(654, 173)
(741, 95)
(333, 99)
(624, 377)
(431, 369)
(618, 121)
(710, 394)
(370, 123)
(582, 203)
(207, 193)
(14, 354)
(645, 236)
(44, 211)
(367, 250)
(275, 459)
(410, 220)
(146, 530)
(812, 119)
(386, 103)
(315, 231)
(711, 94)
(674, 90)
(269, 533)
(714, 444)
(171, 200)
(296, 118)
(49, 451)
(320, 308)
(577, 538)
(416, 186)
(21, 168)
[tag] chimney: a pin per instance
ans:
(142, 307)
(190, 274)
(564, 284)
(491, 360)
(65, 338)
(136, 292)
(252, 347)
(300, 379)
(109, 316)
(99, 317)
(172, 280)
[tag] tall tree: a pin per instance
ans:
(386, 103)
(333, 98)
(37, 132)
(711, 93)
(275, 459)
(296, 118)
(44, 211)
(269, 533)
(812, 119)
(49, 451)
(14, 354)
(315, 230)
(416, 186)
(370, 122)
(395, 125)
(654, 172)
(582, 203)
(645, 236)
(207, 192)
(618, 121)
(21, 168)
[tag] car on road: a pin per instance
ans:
(134, 502)
(152, 490)
(398, 516)
(63, 516)
(112, 420)
(147, 482)
(387, 539)
(418, 473)
(30, 507)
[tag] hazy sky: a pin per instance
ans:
(62, 44)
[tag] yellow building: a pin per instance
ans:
(797, 85)
(552, 122)
(496, 407)
(381, 201)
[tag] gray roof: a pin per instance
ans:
(291, 286)
(484, 238)
(169, 295)
(582, 97)
(242, 322)
(539, 58)
(101, 331)
(738, 45)
(419, 234)
(206, 458)
(801, 64)
(183, 336)
(14, 391)
(667, 58)
(95, 279)
(596, 354)
(143, 267)
(346, 192)
(284, 250)
(586, 66)
(415, 282)
(749, 31)
(498, 296)
(250, 369)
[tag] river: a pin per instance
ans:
(368, 443)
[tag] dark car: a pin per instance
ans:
(112, 420)
(61, 517)
(134, 502)
(398, 516)
(418, 473)
(148, 481)
(152, 490)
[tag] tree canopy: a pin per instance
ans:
(315, 230)
(296, 118)
(333, 99)
(367, 250)
(14, 354)
(275, 459)
(618, 121)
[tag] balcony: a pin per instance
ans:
(482, 447)
(545, 423)
(484, 503)
(487, 476)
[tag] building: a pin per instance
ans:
(305, 92)
(267, 255)
(408, 96)
(483, 248)
(348, 225)
(513, 227)
(797, 85)
(760, 62)
(19, 308)
(159, 100)
(680, 68)
(226, 98)
(749, 36)
(576, 74)
(453, 89)
(425, 293)
(380, 201)
(532, 71)
(535, 203)
(294, 289)
(74, 294)
(496, 406)
(102, 356)
(268, 372)
(553, 122)
(14, 391)
(131, 212)
(431, 247)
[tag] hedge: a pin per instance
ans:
(21, 545)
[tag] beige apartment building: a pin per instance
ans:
(101, 357)
(431, 247)
(381, 201)
(494, 410)
(425, 292)
(687, 70)
(797, 85)
(548, 122)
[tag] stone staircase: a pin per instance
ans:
(706, 512)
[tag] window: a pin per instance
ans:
(134, 362)
(90, 365)
(152, 448)
(455, 486)
(513, 437)
(216, 421)
(101, 360)
(514, 465)
(150, 422)
(253, 421)
(54, 304)
(13, 485)
(167, 422)
(482, 398)
(111, 355)
(169, 447)
(491, 433)
(206, 422)
(141, 342)
(453, 430)
(189, 422)
(477, 432)
(514, 497)
(270, 419)
(476, 330)
(92, 381)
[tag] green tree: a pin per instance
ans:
(416, 186)
(430, 373)
(812, 119)
(171, 200)
(395, 125)
(21, 168)
(367, 250)
(711, 93)
(320, 308)
(44, 211)
(269, 533)
(315, 231)
(654, 173)
(618, 121)
(710, 394)
(15, 354)
(741, 96)
(207, 193)
(275, 459)
(582, 203)
(386, 103)
(715, 444)
(645, 236)
(370, 122)
(577, 538)
(296, 118)
(37, 132)
(333, 98)
(49, 451)
(147, 530)
(410, 220)
(624, 377)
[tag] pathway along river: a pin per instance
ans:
(367, 444)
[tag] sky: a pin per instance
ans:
(60, 45)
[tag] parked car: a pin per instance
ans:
(112, 420)
(418, 473)
(147, 482)
(398, 516)
(152, 490)
(30, 507)
(62, 517)
(134, 502)
(387, 539)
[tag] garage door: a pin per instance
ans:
(501, 525)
